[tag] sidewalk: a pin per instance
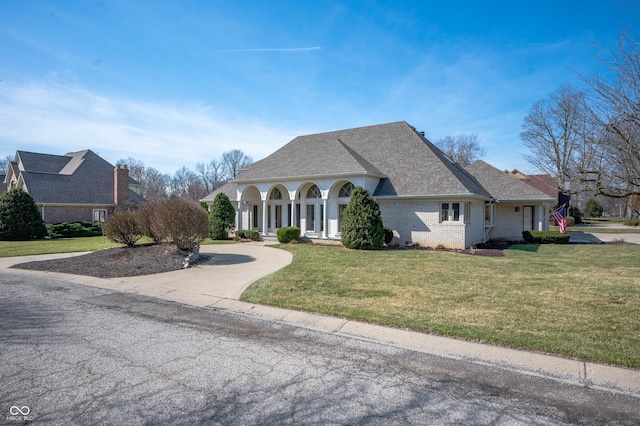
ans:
(233, 267)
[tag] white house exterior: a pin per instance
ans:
(426, 198)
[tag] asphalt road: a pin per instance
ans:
(71, 354)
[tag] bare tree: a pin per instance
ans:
(615, 104)
(555, 131)
(4, 163)
(234, 161)
(211, 174)
(464, 148)
(136, 168)
(154, 184)
(185, 183)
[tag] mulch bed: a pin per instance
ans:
(116, 262)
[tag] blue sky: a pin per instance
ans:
(172, 83)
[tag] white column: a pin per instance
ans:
(239, 216)
(293, 213)
(324, 218)
(264, 217)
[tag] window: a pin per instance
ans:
(488, 214)
(314, 192)
(275, 194)
(311, 217)
(255, 216)
(341, 208)
(100, 215)
(345, 191)
(467, 213)
(450, 212)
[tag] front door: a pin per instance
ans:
(528, 218)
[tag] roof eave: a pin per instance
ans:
(310, 177)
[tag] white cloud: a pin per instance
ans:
(57, 118)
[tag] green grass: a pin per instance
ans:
(68, 245)
(579, 301)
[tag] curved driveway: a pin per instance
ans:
(229, 271)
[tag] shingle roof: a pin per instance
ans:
(80, 177)
(407, 163)
(503, 186)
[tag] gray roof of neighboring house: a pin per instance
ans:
(503, 186)
(407, 163)
(80, 177)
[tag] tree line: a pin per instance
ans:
(589, 140)
(187, 183)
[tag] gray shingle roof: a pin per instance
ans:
(407, 163)
(80, 177)
(503, 186)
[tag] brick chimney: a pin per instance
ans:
(120, 184)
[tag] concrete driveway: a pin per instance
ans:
(231, 269)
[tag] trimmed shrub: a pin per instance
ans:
(252, 235)
(388, 235)
(74, 229)
(222, 217)
(361, 222)
(19, 217)
(124, 228)
(288, 233)
(182, 222)
(240, 233)
(545, 237)
(632, 222)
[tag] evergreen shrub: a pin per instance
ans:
(222, 217)
(361, 222)
(545, 237)
(19, 217)
(287, 234)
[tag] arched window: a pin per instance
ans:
(275, 194)
(345, 191)
(314, 192)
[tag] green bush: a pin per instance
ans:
(19, 217)
(632, 222)
(576, 214)
(388, 235)
(123, 228)
(74, 229)
(361, 222)
(222, 217)
(252, 235)
(593, 209)
(545, 237)
(248, 234)
(288, 233)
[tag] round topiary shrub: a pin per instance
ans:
(19, 217)
(361, 222)
(287, 234)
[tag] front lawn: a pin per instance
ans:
(579, 301)
(69, 245)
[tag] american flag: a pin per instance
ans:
(560, 216)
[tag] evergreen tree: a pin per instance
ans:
(19, 217)
(361, 222)
(593, 209)
(222, 217)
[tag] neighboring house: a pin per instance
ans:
(3, 188)
(77, 186)
(542, 182)
(424, 196)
